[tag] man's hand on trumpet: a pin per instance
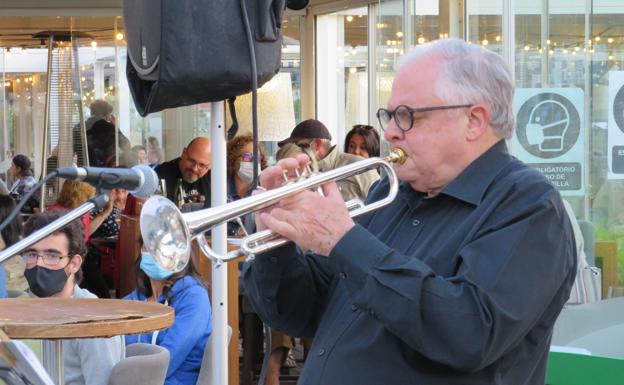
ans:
(311, 220)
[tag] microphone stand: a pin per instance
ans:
(99, 201)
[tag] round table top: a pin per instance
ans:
(52, 318)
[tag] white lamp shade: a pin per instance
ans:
(276, 113)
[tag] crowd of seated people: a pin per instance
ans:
(68, 263)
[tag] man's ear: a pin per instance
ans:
(478, 121)
(75, 263)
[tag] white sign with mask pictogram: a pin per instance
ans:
(615, 137)
(550, 135)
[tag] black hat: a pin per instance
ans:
(308, 129)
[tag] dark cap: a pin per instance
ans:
(308, 129)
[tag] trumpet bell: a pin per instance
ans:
(164, 233)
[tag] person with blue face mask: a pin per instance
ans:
(187, 337)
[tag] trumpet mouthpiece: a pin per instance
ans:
(397, 155)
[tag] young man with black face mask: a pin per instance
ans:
(53, 270)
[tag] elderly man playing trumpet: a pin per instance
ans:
(460, 279)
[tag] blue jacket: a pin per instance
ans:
(187, 337)
(3, 292)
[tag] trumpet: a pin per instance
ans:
(167, 233)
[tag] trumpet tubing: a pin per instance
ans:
(167, 233)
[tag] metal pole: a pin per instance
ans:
(588, 97)
(52, 359)
(46, 121)
(5, 128)
(78, 84)
(99, 201)
(218, 176)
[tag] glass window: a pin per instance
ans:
(342, 70)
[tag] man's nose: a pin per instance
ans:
(393, 132)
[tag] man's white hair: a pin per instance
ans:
(471, 74)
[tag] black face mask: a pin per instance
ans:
(45, 282)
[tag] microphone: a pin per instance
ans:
(140, 180)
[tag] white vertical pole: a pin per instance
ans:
(219, 364)
(98, 79)
(509, 35)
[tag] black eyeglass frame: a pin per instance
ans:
(411, 110)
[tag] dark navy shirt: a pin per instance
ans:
(460, 288)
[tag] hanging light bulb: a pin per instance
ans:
(349, 18)
(119, 36)
(485, 42)
(93, 44)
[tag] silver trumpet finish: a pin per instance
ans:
(167, 233)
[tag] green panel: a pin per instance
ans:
(577, 369)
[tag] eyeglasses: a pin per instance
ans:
(404, 115)
(198, 165)
(49, 258)
(248, 157)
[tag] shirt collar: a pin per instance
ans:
(470, 185)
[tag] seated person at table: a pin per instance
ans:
(53, 270)
(72, 195)
(103, 225)
(240, 176)
(193, 167)
(187, 337)
(14, 266)
(24, 182)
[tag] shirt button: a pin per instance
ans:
(343, 275)
(267, 299)
(353, 308)
(274, 259)
(321, 352)
(415, 222)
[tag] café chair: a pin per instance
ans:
(585, 345)
(145, 364)
(204, 372)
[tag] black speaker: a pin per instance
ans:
(297, 5)
(184, 52)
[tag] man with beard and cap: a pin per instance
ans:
(53, 270)
(313, 134)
